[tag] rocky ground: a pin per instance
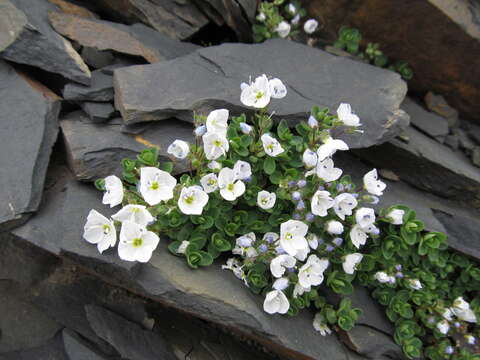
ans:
(84, 84)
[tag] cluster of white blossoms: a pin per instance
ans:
(460, 310)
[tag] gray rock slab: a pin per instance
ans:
(37, 44)
(50, 350)
(210, 78)
(77, 349)
(100, 89)
(129, 339)
(27, 111)
(12, 23)
(428, 165)
(97, 58)
(95, 150)
(135, 40)
(428, 122)
(22, 325)
(98, 112)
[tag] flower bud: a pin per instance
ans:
(200, 130)
(449, 350)
(262, 248)
(334, 227)
(300, 205)
(297, 216)
(312, 122)
(245, 128)
(338, 241)
(309, 217)
(301, 183)
(296, 196)
(310, 158)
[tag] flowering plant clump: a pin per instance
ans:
(296, 225)
(279, 19)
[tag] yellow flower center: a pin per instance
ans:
(259, 95)
(106, 229)
(230, 187)
(154, 185)
(188, 199)
(288, 236)
(217, 143)
(137, 242)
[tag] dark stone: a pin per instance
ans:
(140, 95)
(37, 44)
(430, 123)
(417, 32)
(50, 350)
(78, 349)
(100, 89)
(27, 111)
(476, 156)
(95, 150)
(97, 58)
(98, 112)
(176, 19)
(129, 339)
(22, 326)
(464, 141)
(452, 141)
(439, 105)
(474, 132)
(428, 165)
(135, 40)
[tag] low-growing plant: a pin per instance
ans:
(271, 196)
(349, 39)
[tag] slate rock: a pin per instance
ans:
(429, 123)
(210, 78)
(476, 156)
(97, 58)
(428, 165)
(98, 112)
(37, 44)
(135, 40)
(439, 105)
(176, 19)
(12, 23)
(464, 140)
(27, 111)
(74, 9)
(22, 326)
(130, 340)
(78, 349)
(95, 150)
(100, 89)
(452, 141)
(417, 32)
(474, 132)
(50, 350)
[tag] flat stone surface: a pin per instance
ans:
(38, 44)
(77, 349)
(50, 350)
(73, 9)
(95, 150)
(100, 89)
(135, 40)
(428, 165)
(150, 92)
(129, 339)
(176, 19)
(430, 123)
(98, 112)
(27, 111)
(12, 23)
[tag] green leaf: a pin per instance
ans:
(100, 184)
(148, 157)
(167, 166)
(282, 129)
(269, 165)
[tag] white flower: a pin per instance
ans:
(242, 170)
(113, 191)
(382, 277)
(310, 26)
(443, 326)
(277, 89)
(250, 252)
(261, 17)
(276, 302)
(156, 185)
(358, 236)
(266, 200)
(215, 145)
(296, 19)
(310, 158)
(470, 339)
(134, 213)
(372, 184)
(179, 149)
(99, 230)
(209, 182)
(321, 202)
(292, 236)
(280, 263)
(311, 273)
(396, 216)
(448, 314)
(271, 237)
(351, 261)
(280, 284)
(136, 242)
(283, 29)
(183, 247)
(292, 9)
(246, 240)
(312, 122)
(200, 130)
(214, 165)
(414, 284)
(330, 147)
(271, 145)
(320, 325)
(312, 241)
(344, 205)
(192, 200)
(302, 253)
(326, 170)
(334, 227)
(230, 188)
(256, 94)
(346, 116)
(365, 217)
(217, 122)
(462, 310)
(298, 290)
